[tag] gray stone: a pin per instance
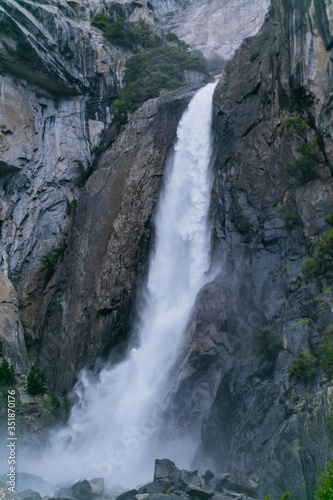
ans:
(204, 493)
(157, 486)
(11, 331)
(5, 494)
(29, 495)
(128, 495)
(216, 28)
(97, 486)
(166, 469)
(82, 490)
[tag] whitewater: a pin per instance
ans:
(112, 427)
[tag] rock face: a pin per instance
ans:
(11, 331)
(58, 81)
(107, 250)
(260, 421)
(216, 28)
(5, 494)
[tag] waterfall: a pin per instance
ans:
(111, 427)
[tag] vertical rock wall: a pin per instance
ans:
(263, 423)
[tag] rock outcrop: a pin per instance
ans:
(107, 253)
(12, 342)
(262, 422)
(5, 494)
(168, 482)
(58, 81)
(216, 28)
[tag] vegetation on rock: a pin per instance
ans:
(290, 220)
(267, 342)
(83, 172)
(326, 349)
(36, 381)
(303, 169)
(292, 125)
(321, 264)
(127, 34)
(304, 365)
(325, 484)
(7, 374)
(147, 74)
(50, 260)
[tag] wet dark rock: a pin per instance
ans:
(204, 493)
(253, 419)
(128, 495)
(218, 481)
(157, 486)
(190, 477)
(82, 490)
(166, 469)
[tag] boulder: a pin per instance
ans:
(97, 486)
(218, 481)
(203, 492)
(128, 495)
(158, 486)
(166, 469)
(82, 490)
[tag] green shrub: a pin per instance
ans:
(7, 374)
(2, 127)
(147, 74)
(29, 339)
(267, 342)
(173, 38)
(36, 381)
(83, 172)
(293, 125)
(303, 366)
(325, 484)
(329, 220)
(127, 34)
(71, 207)
(290, 220)
(254, 56)
(321, 264)
(50, 260)
(303, 169)
(326, 349)
(286, 496)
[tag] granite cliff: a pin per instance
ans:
(216, 28)
(253, 419)
(260, 422)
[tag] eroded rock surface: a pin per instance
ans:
(216, 28)
(58, 81)
(108, 248)
(263, 423)
(11, 331)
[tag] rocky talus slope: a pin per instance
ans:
(261, 422)
(168, 482)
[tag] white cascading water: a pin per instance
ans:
(110, 429)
